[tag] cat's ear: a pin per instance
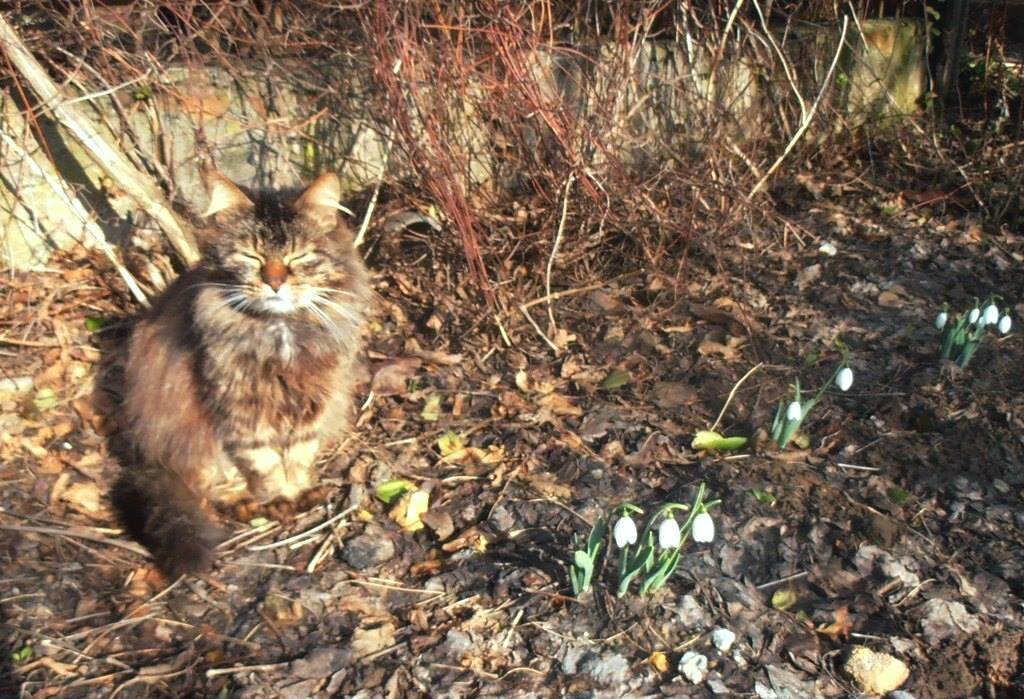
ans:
(321, 201)
(225, 195)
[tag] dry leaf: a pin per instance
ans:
(659, 661)
(84, 497)
(368, 641)
(393, 378)
(409, 508)
(560, 405)
(840, 628)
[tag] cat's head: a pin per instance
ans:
(280, 254)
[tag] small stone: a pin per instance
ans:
(763, 691)
(900, 694)
(875, 673)
(723, 639)
(690, 613)
(609, 669)
(571, 661)
(371, 548)
(456, 644)
(693, 666)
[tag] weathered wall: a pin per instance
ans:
(269, 131)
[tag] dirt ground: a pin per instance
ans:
(898, 527)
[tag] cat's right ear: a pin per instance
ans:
(225, 195)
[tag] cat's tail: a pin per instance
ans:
(162, 513)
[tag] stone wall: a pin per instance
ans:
(268, 129)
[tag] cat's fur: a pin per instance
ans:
(243, 370)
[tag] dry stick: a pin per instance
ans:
(733, 393)
(137, 184)
(806, 122)
(75, 206)
(554, 251)
(56, 531)
(376, 190)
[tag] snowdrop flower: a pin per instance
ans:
(668, 534)
(844, 379)
(703, 528)
(940, 320)
(1005, 323)
(972, 317)
(624, 532)
(991, 314)
(794, 411)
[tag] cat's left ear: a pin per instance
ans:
(321, 201)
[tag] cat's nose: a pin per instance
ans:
(274, 273)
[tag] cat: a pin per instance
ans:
(243, 370)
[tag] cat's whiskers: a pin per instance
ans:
(325, 320)
(336, 308)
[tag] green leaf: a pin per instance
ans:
(21, 655)
(45, 399)
(449, 443)
(897, 494)
(432, 409)
(705, 439)
(784, 598)
(389, 491)
(762, 496)
(597, 536)
(616, 379)
(582, 560)
(96, 323)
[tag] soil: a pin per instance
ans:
(897, 525)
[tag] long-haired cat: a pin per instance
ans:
(243, 370)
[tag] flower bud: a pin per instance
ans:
(624, 532)
(703, 528)
(668, 534)
(940, 320)
(972, 317)
(1005, 323)
(991, 314)
(794, 411)
(844, 379)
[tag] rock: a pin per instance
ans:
(693, 666)
(763, 691)
(723, 639)
(875, 673)
(690, 613)
(456, 644)
(571, 660)
(371, 548)
(941, 619)
(609, 669)
(900, 694)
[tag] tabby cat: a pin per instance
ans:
(243, 370)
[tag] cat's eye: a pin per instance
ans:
(245, 259)
(302, 259)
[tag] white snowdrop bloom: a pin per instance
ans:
(703, 528)
(844, 379)
(991, 314)
(624, 532)
(1004, 324)
(794, 411)
(940, 320)
(972, 317)
(668, 534)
